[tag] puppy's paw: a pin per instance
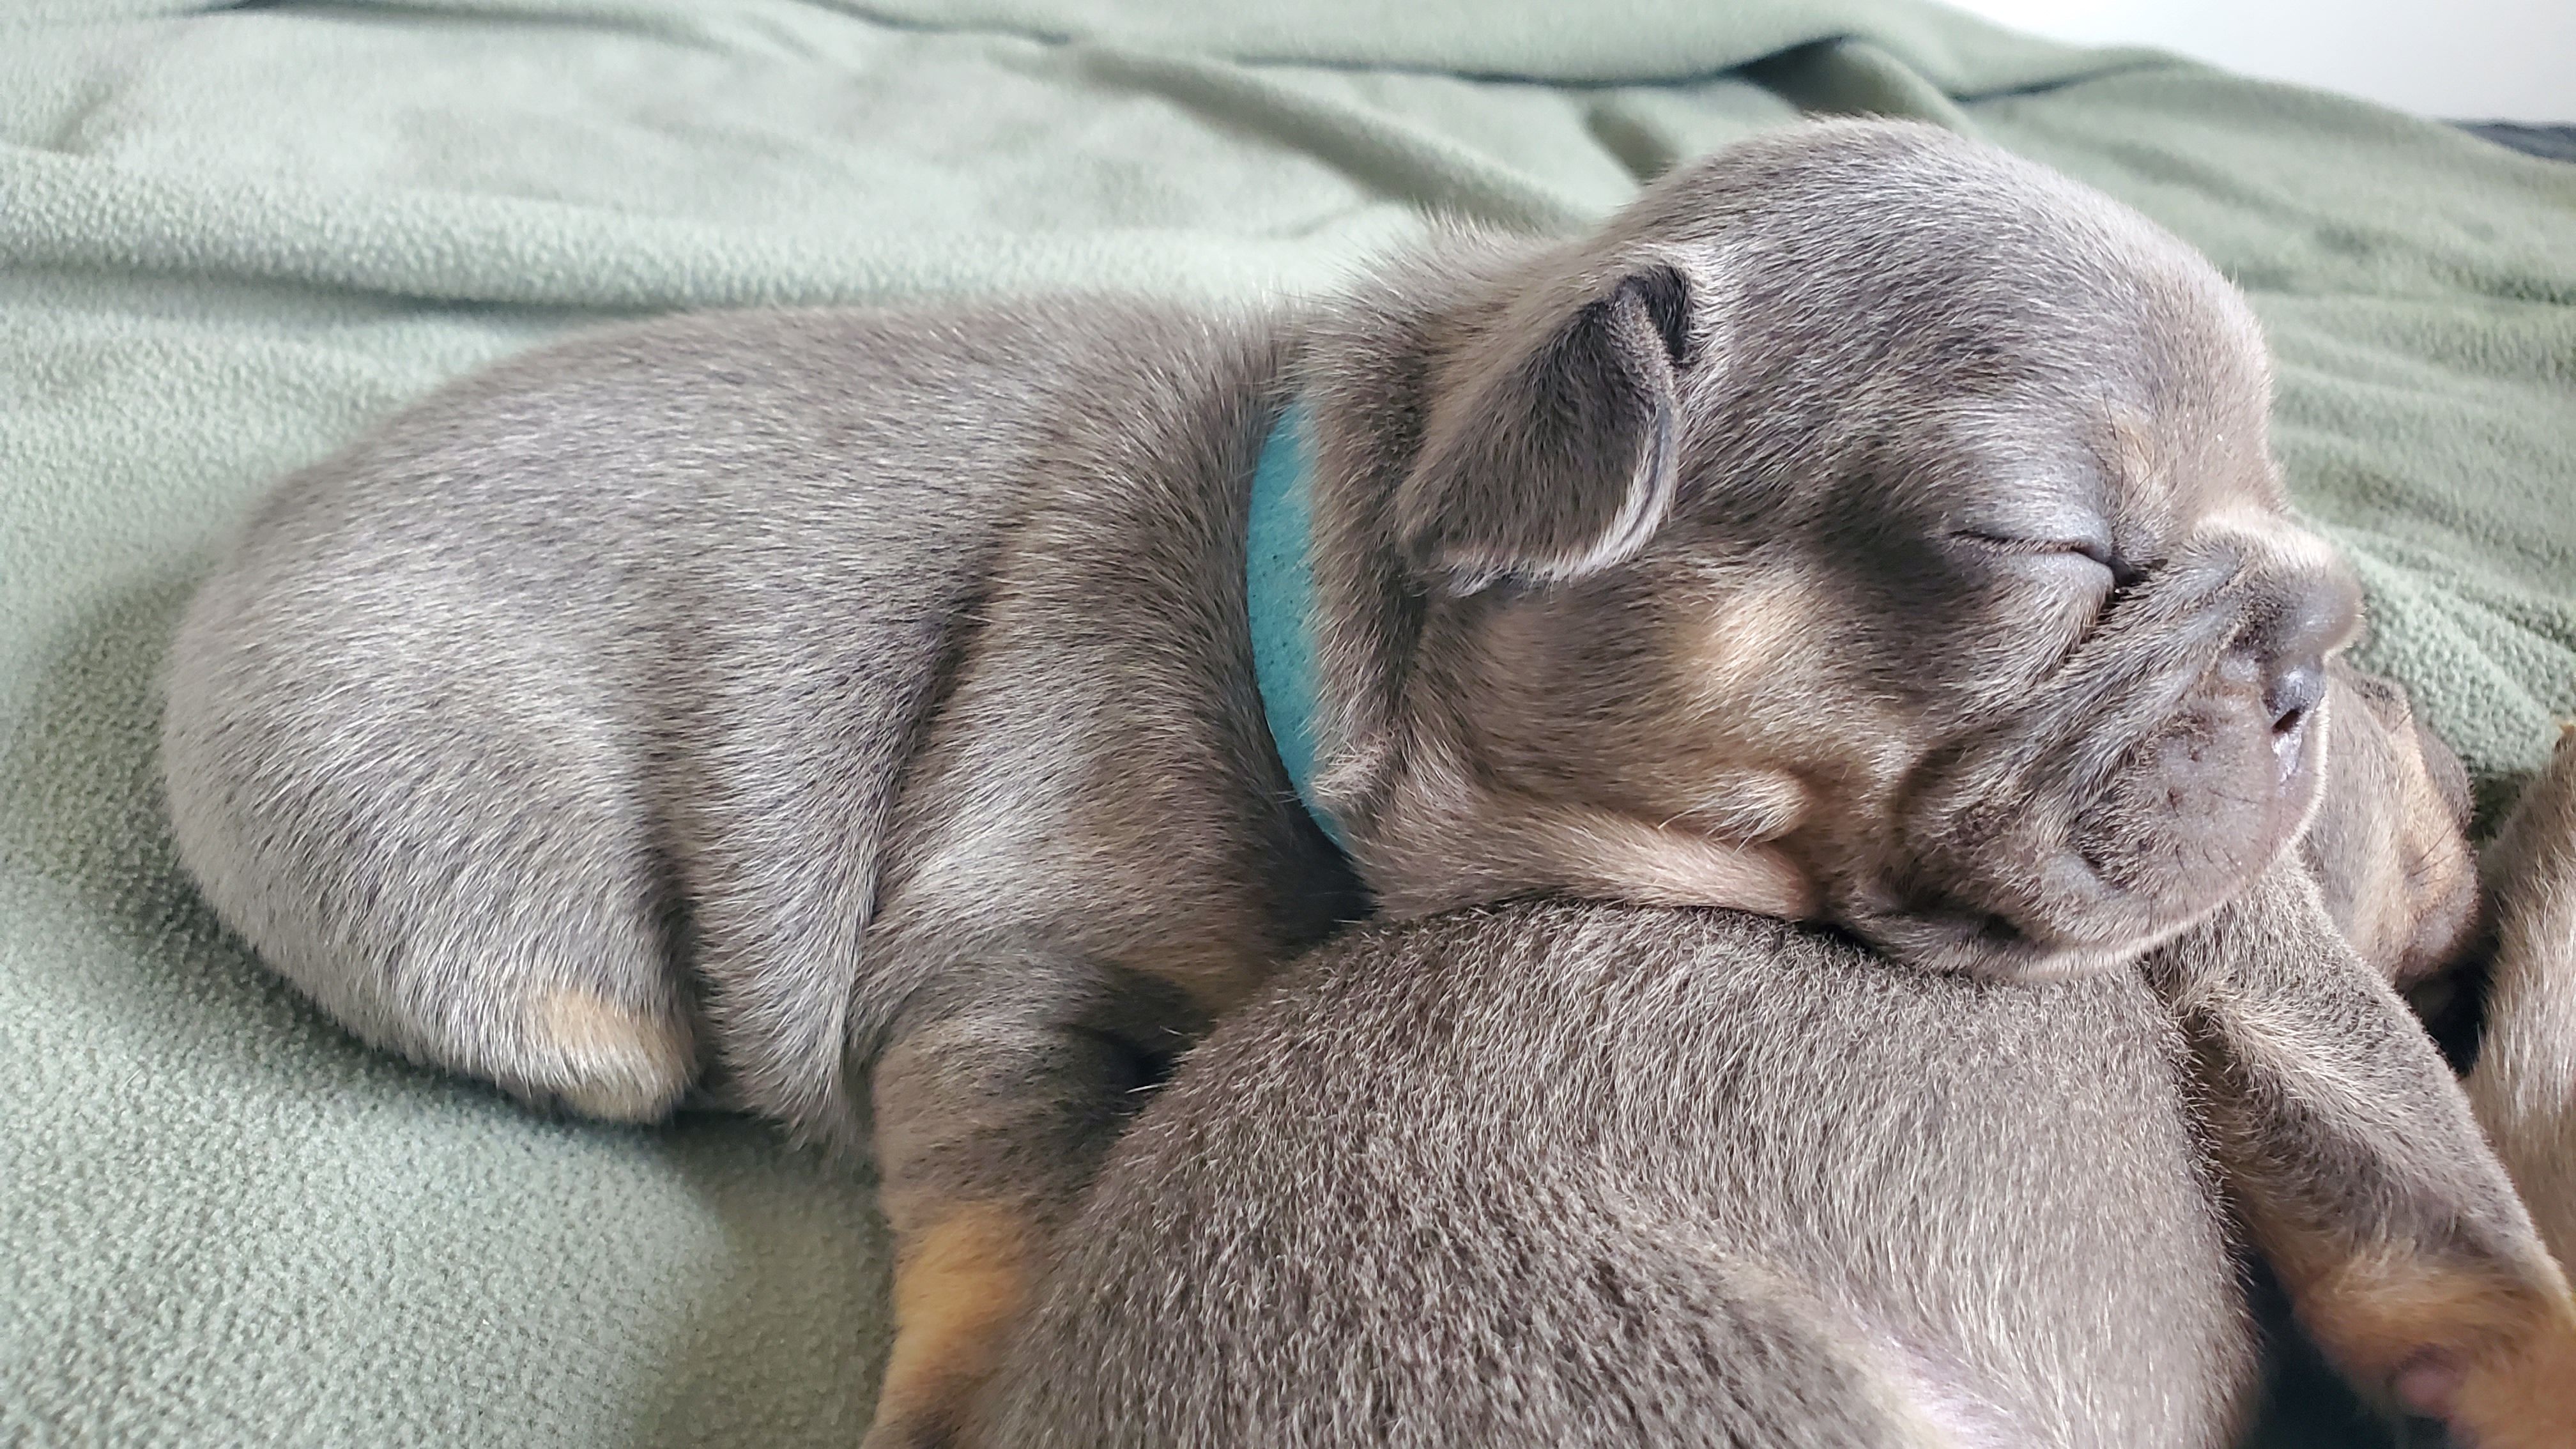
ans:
(2520, 1393)
(2490, 1359)
(602, 1059)
(960, 1282)
(2533, 859)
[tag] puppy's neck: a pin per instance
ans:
(1279, 589)
(1448, 837)
(1428, 829)
(1362, 381)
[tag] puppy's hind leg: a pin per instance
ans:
(2524, 1085)
(442, 843)
(2351, 1155)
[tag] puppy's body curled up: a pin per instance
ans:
(1573, 1175)
(863, 707)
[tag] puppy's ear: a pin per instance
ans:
(1549, 452)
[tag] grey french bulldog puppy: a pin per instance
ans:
(1568, 1175)
(857, 712)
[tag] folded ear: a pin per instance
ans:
(1549, 454)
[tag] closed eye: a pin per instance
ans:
(2095, 553)
(2078, 580)
(2002, 544)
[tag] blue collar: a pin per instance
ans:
(1279, 595)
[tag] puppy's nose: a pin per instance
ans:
(2309, 619)
(2294, 692)
(2289, 647)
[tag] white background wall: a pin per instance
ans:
(2474, 60)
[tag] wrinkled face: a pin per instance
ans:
(2075, 680)
(1978, 602)
(2028, 716)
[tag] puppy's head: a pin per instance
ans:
(1866, 525)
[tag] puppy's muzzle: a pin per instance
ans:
(2172, 760)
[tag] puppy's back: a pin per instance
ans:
(1583, 1175)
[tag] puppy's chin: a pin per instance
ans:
(1990, 948)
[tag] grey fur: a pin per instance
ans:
(1558, 1175)
(1972, 609)
(1573, 1175)
(852, 710)
(2524, 1085)
(614, 667)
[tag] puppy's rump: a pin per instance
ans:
(508, 732)
(1563, 1175)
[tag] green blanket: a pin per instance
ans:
(230, 240)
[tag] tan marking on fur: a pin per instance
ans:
(1758, 665)
(959, 1283)
(1752, 633)
(1631, 860)
(2379, 1311)
(1216, 972)
(613, 1062)
(2146, 484)
(2439, 882)
(2383, 914)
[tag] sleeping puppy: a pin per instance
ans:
(2524, 1084)
(896, 723)
(1565, 1175)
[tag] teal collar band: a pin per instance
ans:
(1279, 595)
